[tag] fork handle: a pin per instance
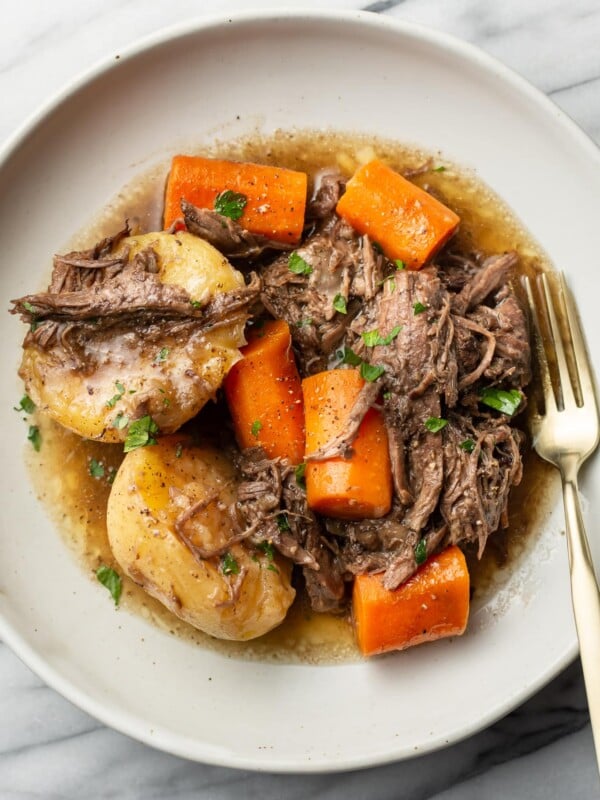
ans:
(586, 601)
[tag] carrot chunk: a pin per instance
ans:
(407, 222)
(432, 604)
(264, 394)
(275, 198)
(358, 487)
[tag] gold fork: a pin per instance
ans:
(565, 435)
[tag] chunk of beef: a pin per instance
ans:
(329, 187)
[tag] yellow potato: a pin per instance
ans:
(132, 377)
(153, 489)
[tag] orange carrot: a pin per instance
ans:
(351, 488)
(264, 394)
(432, 604)
(407, 222)
(275, 197)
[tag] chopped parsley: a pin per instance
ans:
(195, 303)
(111, 475)
(121, 421)
(339, 304)
(26, 404)
(300, 473)
(273, 568)
(468, 445)
(298, 265)
(112, 580)
(230, 204)
(387, 395)
(35, 437)
(229, 566)
(95, 469)
(115, 398)
(435, 424)
(346, 355)
(505, 400)
(162, 356)
(28, 307)
(302, 323)
(283, 522)
(267, 548)
(370, 372)
(420, 552)
(256, 427)
(141, 433)
(419, 308)
(399, 264)
(374, 338)
(439, 169)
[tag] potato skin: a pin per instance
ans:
(172, 389)
(152, 488)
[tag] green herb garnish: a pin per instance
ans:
(162, 356)
(26, 404)
(256, 427)
(346, 355)
(468, 445)
(95, 469)
(370, 372)
(141, 433)
(229, 566)
(111, 579)
(300, 473)
(298, 265)
(230, 204)
(373, 338)
(399, 264)
(435, 424)
(505, 400)
(283, 522)
(439, 169)
(195, 303)
(419, 308)
(267, 548)
(302, 323)
(115, 398)
(339, 304)
(121, 421)
(420, 552)
(35, 437)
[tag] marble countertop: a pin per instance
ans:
(50, 749)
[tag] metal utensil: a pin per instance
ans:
(565, 433)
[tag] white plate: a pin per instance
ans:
(218, 80)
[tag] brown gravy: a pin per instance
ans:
(77, 501)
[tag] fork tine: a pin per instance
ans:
(566, 389)
(542, 359)
(582, 361)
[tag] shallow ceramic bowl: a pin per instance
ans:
(193, 85)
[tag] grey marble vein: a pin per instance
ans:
(50, 749)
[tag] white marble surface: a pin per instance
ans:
(50, 749)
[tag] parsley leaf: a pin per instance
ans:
(115, 398)
(282, 522)
(302, 323)
(256, 427)
(35, 437)
(267, 548)
(439, 169)
(121, 421)
(26, 404)
(339, 303)
(95, 469)
(111, 579)
(468, 445)
(162, 356)
(230, 204)
(346, 355)
(28, 307)
(195, 303)
(300, 473)
(420, 552)
(229, 566)
(399, 264)
(370, 372)
(419, 308)
(506, 401)
(373, 338)
(298, 265)
(435, 424)
(141, 433)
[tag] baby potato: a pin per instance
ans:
(169, 502)
(128, 376)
